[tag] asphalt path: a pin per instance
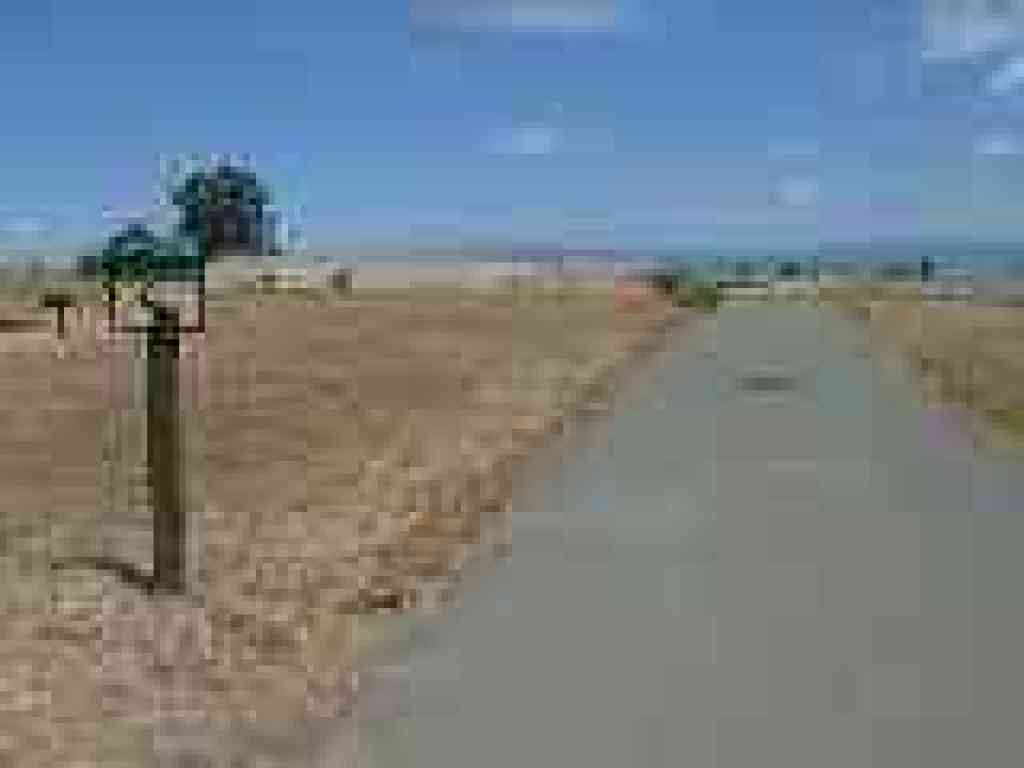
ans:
(768, 555)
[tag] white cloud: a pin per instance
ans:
(568, 15)
(1008, 76)
(998, 145)
(798, 192)
(118, 214)
(527, 139)
(963, 29)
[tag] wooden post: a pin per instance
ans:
(60, 302)
(162, 447)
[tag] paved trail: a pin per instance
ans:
(801, 571)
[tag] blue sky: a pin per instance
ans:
(595, 122)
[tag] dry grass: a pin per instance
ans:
(967, 353)
(345, 457)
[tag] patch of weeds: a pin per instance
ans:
(1011, 419)
(699, 295)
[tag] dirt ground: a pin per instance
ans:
(342, 457)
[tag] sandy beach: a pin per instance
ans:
(347, 456)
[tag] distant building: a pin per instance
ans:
(949, 284)
(897, 272)
(747, 280)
